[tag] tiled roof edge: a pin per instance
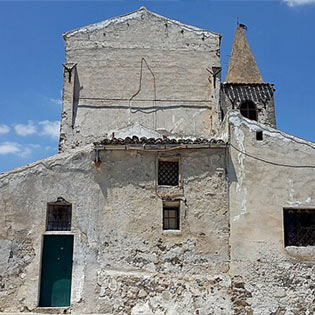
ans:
(144, 140)
(252, 84)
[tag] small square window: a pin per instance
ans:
(59, 216)
(168, 173)
(170, 215)
(299, 227)
(259, 135)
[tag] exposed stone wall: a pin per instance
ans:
(222, 261)
(123, 263)
(145, 70)
(274, 279)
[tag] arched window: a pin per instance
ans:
(248, 110)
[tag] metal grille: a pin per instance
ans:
(59, 217)
(168, 173)
(171, 218)
(299, 227)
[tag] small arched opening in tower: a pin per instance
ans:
(248, 109)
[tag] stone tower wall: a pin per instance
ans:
(140, 70)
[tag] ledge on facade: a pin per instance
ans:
(301, 252)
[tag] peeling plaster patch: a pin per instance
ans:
(297, 203)
(195, 115)
(143, 293)
(291, 189)
(294, 202)
(48, 163)
(239, 137)
(253, 126)
(136, 130)
(194, 122)
(141, 308)
(177, 124)
(78, 272)
(244, 205)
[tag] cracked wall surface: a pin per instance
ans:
(147, 76)
(269, 177)
(144, 70)
(123, 262)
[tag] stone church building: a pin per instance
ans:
(172, 193)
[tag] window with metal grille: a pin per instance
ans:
(168, 173)
(299, 227)
(171, 216)
(248, 110)
(59, 216)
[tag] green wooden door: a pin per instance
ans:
(55, 288)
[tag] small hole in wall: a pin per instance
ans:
(259, 135)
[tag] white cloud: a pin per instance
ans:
(25, 130)
(50, 148)
(4, 129)
(293, 3)
(15, 149)
(56, 101)
(50, 128)
(25, 152)
(9, 148)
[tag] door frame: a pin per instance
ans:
(57, 233)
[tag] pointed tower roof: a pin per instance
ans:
(242, 65)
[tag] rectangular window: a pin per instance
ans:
(59, 216)
(299, 227)
(168, 172)
(171, 215)
(259, 135)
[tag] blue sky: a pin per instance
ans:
(281, 35)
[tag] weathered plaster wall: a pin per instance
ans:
(140, 69)
(271, 279)
(123, 262)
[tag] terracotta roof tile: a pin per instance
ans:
(244, 91)
(144, 140)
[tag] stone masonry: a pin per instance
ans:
(141, 90)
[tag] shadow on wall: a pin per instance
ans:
(76, 96)
(231, 174)
(122, 168)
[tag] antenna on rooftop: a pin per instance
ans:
(243, 26)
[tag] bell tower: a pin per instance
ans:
(244, 88)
